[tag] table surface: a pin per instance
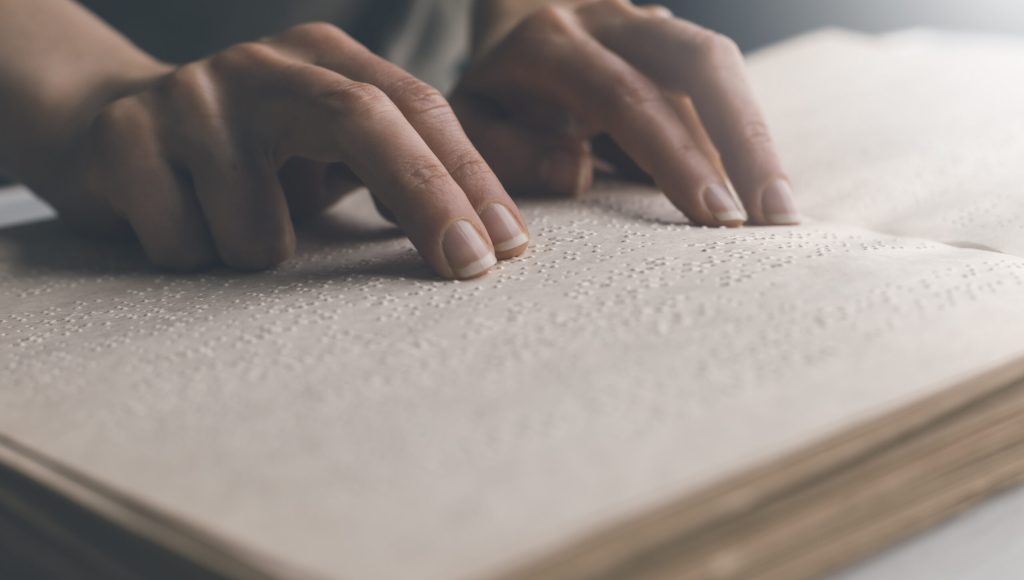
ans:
(986, 542)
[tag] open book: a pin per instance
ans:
(633, 398)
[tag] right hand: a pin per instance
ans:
(211, 161)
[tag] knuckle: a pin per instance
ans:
(623, 7)
(714, 47)
(418, 97)
(191, 77)
(657, 11)
(690, 155)
(191, 88)
(190, 112)
(469, 165)
(428, 176)
(550, 20)
(316, 33)
(351, 97)
(244, 57)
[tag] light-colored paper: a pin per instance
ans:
(916, 133)
(351, 415)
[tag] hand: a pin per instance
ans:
(672, 97)
(211, 161)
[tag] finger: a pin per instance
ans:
(157, 201)
(691, 120)
(237, 187)
(606, 149)
(528, 161)
(656, 10)
(169, 222)
(337, 119)
(554, 54)
(710, 68)
(245, 209)
(429, 114)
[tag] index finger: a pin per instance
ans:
(710, 69)
(335, 119)
(428, 112)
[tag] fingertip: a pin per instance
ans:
(723, 207)
(777, 204)
(514, 252)
(508, 235)
(466, 252)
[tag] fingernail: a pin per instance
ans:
(777, 204)
(723, 206)
(562, 173)
(467, 253)
(506, 233)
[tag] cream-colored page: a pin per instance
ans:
(917, 133)
(350, 414)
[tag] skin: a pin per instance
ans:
(213, 161)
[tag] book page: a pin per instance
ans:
(350, 414)
(914, 133)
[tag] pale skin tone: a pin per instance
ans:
(213, 161)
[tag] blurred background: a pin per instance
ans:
(754, 23)
(172, 30)
(187, 29)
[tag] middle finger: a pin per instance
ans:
(552, 53)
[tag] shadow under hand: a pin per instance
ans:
(350, 240)
(635, 200)
(50, 246)
(353, 239)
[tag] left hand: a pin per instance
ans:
(672, 96)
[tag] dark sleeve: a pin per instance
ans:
(186, 30)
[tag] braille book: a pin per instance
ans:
(633, 398)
